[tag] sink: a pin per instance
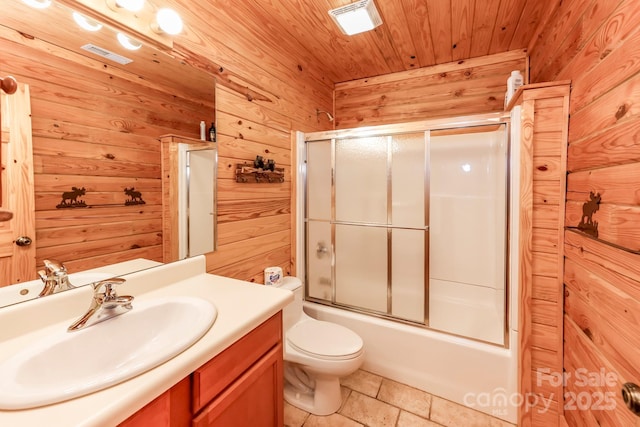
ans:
(29, 290)
(65, 365)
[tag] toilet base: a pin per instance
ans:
(324, 400)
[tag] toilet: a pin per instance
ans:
(316, 355)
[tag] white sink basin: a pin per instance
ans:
(29, 290)
(66, 365)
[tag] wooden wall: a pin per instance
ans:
(596, 45)
(97, 128)
(543, 148)
(254, 219)
(264, 92)
(473, 86)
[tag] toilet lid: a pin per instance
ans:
(324, 339)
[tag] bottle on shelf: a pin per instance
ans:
(203, 127)
(212, 132)
(514, 81)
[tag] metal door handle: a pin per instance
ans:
(23, 241)
(631, 397)
(321, 249)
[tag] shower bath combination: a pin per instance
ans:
(412, 226)
(405, 240)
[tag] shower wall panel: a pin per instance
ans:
(468, 234)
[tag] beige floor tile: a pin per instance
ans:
(369, 411)
(451, 414)
(405, 397)
(333, 420)
(363, 381)
(407, 419)
(294, 417)
(344, 392)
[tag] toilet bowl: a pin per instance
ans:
(316, 355)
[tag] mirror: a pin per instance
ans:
(97, 113)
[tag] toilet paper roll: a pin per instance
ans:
(273, 276)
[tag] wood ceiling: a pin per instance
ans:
(414, 33)
(300, 33)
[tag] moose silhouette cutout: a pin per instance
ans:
(70, 198)
(587, 224)
(135, 197)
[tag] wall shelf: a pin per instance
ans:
(247, 173)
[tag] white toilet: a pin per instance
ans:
(316, 355)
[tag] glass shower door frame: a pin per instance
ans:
(389, 131)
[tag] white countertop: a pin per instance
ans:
(241, 307)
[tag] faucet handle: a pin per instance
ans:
(55, 267)
(109, 287)
(43, 275)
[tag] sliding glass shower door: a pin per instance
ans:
(410, 226)
(370, 224)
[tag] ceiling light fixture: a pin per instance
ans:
(38, 4)
(128, 43)
(356, 17)
(142, 26)
(86, 23)
(168, 21)
(130, 5)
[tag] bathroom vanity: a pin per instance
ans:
(241, 386)
(231, 376)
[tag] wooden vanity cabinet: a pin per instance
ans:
(242, 386)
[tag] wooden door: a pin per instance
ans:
(17, 263)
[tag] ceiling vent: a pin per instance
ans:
(356, 17)
(107, 54)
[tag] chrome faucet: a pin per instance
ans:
(54, 277)
(105, 304)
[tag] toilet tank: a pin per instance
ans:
(292, 312)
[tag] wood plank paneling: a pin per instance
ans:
(595, 397)
(543, 129)
(595, 44)
(506, 23)
(97, 129)
(470, 87)
(254, 219)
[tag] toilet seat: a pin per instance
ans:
(324, 340)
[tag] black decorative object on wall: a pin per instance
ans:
(587, 224)
(260, 171)
(135, 197)
(258, 163)
(70, 199)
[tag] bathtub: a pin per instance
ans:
(475, 374)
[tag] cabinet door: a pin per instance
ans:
(170, 409)
(254, 400)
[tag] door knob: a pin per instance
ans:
(631, 397)
(23, 241)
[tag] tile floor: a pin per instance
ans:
(373, 401)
